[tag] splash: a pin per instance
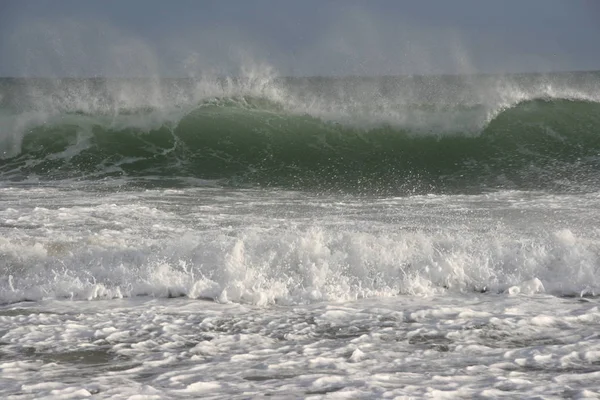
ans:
(371, 135)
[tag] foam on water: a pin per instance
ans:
(485, 346)
(291, 294)
(279, 247)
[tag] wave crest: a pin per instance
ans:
(270, 134)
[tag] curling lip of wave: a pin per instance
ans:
(252, 140)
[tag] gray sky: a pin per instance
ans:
(309, 37)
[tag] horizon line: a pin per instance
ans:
(347, 76)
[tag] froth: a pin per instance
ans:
(214, 252)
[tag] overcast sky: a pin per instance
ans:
(308, 37)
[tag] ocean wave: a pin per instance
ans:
(266, 138)
(294, 265)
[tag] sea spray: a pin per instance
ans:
(388, 135)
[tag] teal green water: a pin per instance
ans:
(549, 144)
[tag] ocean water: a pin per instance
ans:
(391, 237)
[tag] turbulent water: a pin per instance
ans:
(368, 135)
(356, 237)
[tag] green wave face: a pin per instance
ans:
(549, 144)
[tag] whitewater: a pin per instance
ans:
(352, 237)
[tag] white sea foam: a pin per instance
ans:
(295, 294)
(284, 248)
(454, 346)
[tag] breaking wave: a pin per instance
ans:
(285, 135)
